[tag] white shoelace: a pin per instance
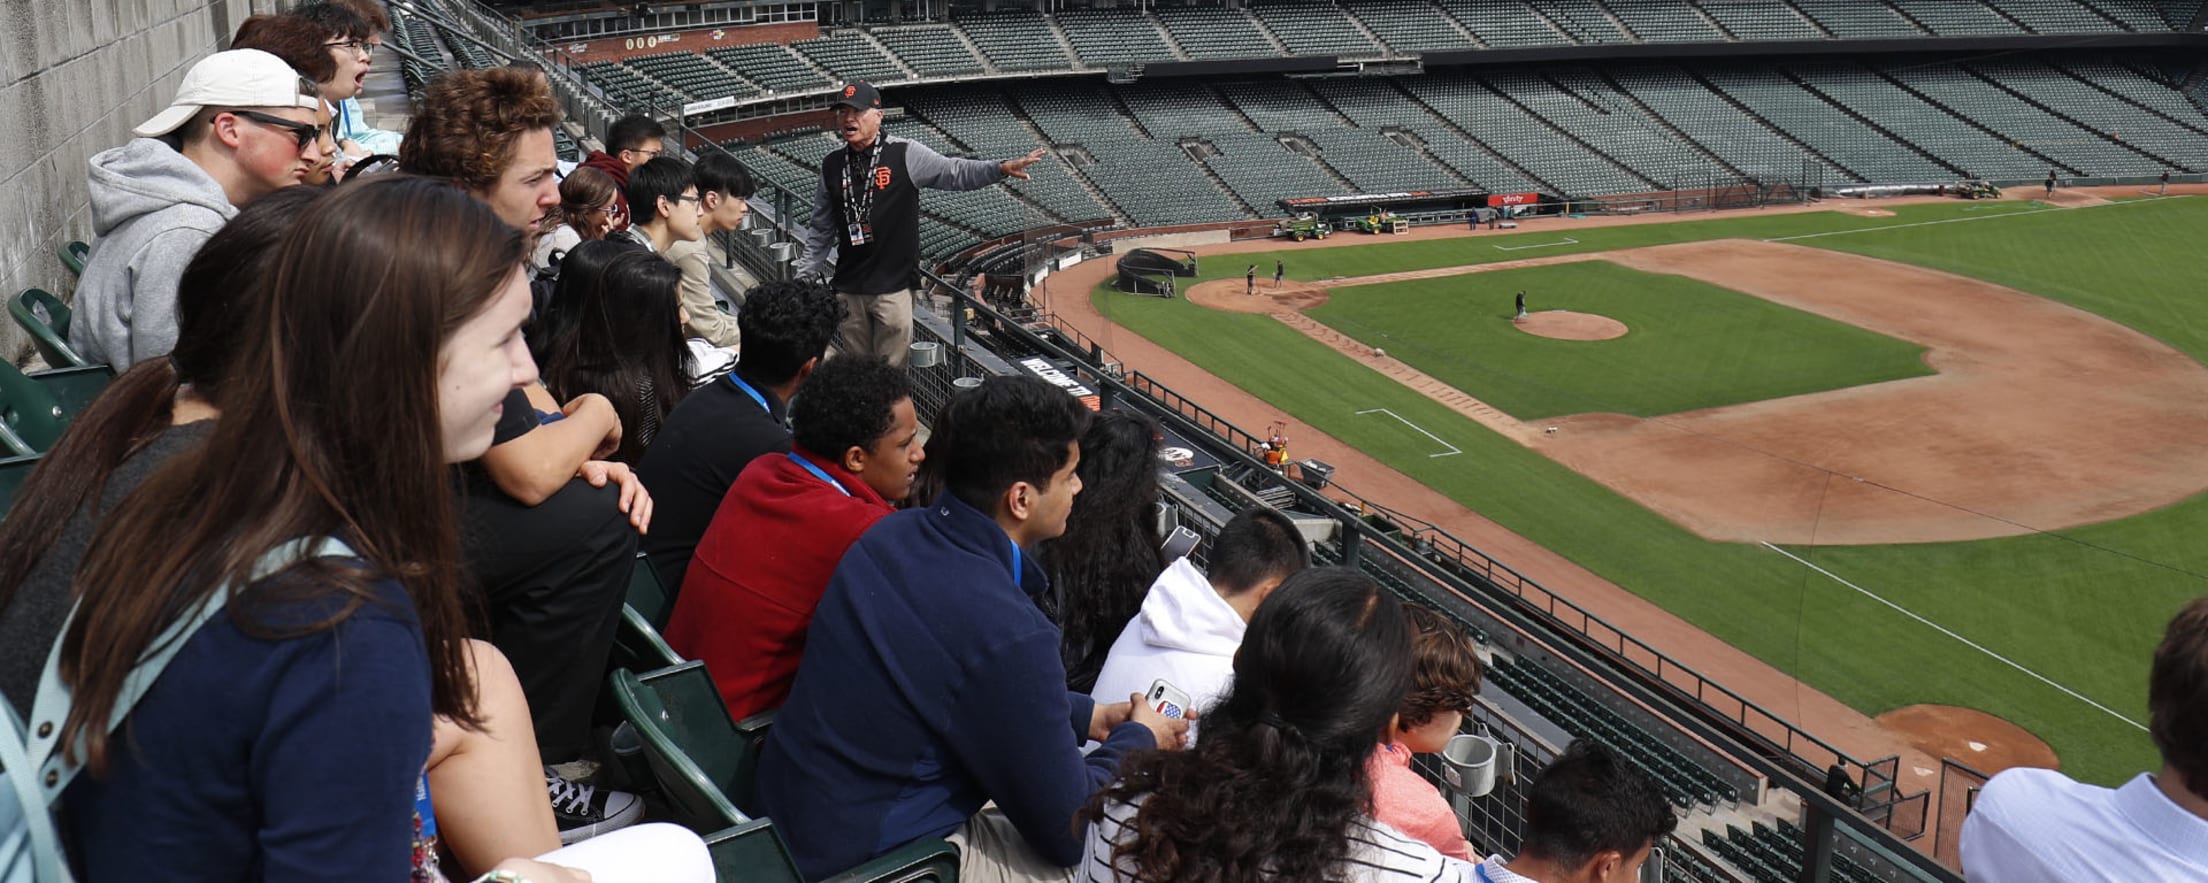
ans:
(569, 797)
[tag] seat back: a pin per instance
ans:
(692, 747)
(73, 255)
(31, 415)
(75, 388)
(648, 595)
(46, 319)
(753, 852)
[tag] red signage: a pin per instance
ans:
(1502, 199)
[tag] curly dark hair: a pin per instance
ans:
(785, 324)
(1445, 670)
(848, 403)
(466, 124)
(348, 20)
(1102, 566)
(1274, 787)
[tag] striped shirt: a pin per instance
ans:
(1377, 853)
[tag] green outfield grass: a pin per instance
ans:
(2082, 607)
(1691, 344)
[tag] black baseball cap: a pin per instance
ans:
(859, 95)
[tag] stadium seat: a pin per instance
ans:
(637, 644)
(72, 256)
(46, 319)
(74, 388)
(705, 766)
(31, 418)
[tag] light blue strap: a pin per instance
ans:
(38, 784)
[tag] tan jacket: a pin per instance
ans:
(706, 320)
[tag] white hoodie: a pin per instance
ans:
(1185, 634)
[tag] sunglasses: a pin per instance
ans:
(304, 133)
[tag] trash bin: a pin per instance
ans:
(1315, 473)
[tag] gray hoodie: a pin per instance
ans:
(151, 209)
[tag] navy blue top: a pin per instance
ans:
(254, 759)
(931, 684)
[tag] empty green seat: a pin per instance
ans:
(706, 767)
(72, 255)
(637, 643)
(46, 319)
(31, 419)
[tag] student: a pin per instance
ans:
(749, 594)
(724, 185)
(263, 720)
(663, 204)
(1285, 757)
(1103, 564)
(590, 208)
(614, 328)
(1591, 817)
(930, 685)
(1445, 675)
(721, 426)
(242, 125)
(1192, 623)
(490, 133)
(631, 141)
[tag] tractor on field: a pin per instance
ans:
(1304, 225)
(1978, 189)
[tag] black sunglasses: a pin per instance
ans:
(305, 133)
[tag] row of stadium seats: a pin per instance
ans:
(1093, 38)
(1183, 152)
(1685, 782)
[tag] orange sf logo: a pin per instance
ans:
(849, 91)
(881, 179)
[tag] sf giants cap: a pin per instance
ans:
(238, 78)
(859, 95)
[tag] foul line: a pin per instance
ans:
(1567, 241)
(1968, 642)
(1421, 431)
(2036, 211)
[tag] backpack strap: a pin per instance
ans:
(34, 762)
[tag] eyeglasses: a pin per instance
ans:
(357, 47)
(305, 133)
(647, 154)
(611, 210)
(688, 197)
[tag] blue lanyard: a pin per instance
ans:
(1015, 561)
(755, 396)
(821, 473)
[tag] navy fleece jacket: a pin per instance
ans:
(931, 684)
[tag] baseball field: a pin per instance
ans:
(1946, 454)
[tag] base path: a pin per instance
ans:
(1757, 681)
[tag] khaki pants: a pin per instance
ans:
(878, 323)
(991, 850)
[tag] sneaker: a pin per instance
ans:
(585, 811)
(576, 770)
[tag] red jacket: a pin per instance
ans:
(759, 572)
(619, 171)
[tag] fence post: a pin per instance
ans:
(1817, 844)
(1352, 543)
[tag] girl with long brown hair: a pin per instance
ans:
(287, 737)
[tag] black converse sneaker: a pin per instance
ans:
(586, 811)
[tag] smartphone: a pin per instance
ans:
(1180, 543)
(1167, 699)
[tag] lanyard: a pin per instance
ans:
(858, 190)
(817, 471)
(755, 396)
(1015, 561)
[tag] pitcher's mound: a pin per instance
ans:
(1233, 296)
(1568, 325)
(1986, 743)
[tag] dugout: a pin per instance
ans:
(1440, 206)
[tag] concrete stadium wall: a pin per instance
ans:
(75, 76)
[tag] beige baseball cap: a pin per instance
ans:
(237, 78)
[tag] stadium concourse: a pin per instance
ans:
(1196, 126)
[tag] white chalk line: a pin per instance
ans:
(2036, 211)
(1453, 450)
(1567, 241)
(1966, 641)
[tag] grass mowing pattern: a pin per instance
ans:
(1691, 345)
(2083, 607)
